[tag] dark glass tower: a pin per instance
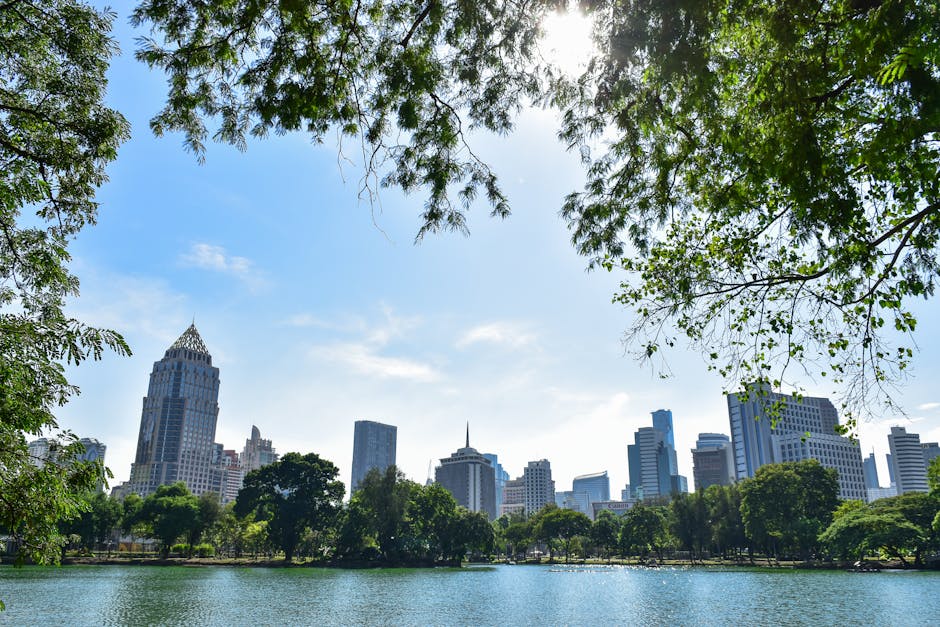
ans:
(373, 447)
(177, 424)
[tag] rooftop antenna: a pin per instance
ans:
(468, 434)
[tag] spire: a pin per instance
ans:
(191, 340)
(468, 434)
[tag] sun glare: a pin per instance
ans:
(567, 41)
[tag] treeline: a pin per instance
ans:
(786, 511)
(294, 508)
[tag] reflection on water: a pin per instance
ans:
(505, 595)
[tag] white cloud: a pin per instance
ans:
(210, 257)
(363, 359)
(501, 333)
(927, 406)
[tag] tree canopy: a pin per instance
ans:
(296, 493)
(56, 137)
(765, 172)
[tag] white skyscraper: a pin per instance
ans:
(907, 456)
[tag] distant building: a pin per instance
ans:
(539, 487)
(831, 451)
(257, 453)
(881, 493)
(870, 468)
(890, 468)
(501, 477)
(577, 501)
(931, 451)
(513, 497)
(805, 429)
(652, 461)
(618, 507)
(39, 451)
(910, 472)
(471, 478)
(586, 489)
(712, 460)
(374, 446)
(176, 441)
(232, 475)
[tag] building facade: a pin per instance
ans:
(513, 497)
(374, 446)
(805, 428)
(501, 477)
(870, 469)
(176, 441)
(712, 460)
(470, 478)
(907, 455)
(539, 487)
(233, 475)
(651, 460)
(258, 452)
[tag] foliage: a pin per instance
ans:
(377, 511)
(688, 522)
(787, 506)
(768, 187)
(605, 530)
(766, 173)
(933, 475)
(918, 509)
(56, 137)
(408, 80)
(293, 494)
(35, 498)
(96, 525)
(170, 512)
(860, 531)
(644, 529)
(563, 524)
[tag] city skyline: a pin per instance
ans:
(321, 312)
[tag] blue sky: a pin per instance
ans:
(319, 310)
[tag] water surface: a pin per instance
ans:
(495, 595)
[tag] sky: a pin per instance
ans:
(319, 309)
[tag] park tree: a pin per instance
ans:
(933, 475)
(379, 509)
(918, 509)
(644, 530)
(785, 507)
(604, 531)
(56, 138)
(209, 511)
(170, 512)
(689, 522)
(564, 525)
(293, 494)
(763, 172)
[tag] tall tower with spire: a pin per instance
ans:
(470, 477)
(178, 421)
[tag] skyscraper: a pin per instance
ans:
(587, 489)
(373, 447)
(539, 487)
(712, 460)
(652, 459)
(471, 478)
(870, 468)
(907, 455)
(178, 420)
(258, 452)
(501, 478)
(805, 429)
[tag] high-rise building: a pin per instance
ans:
(931, 451)
(258, 452)
(539, 487)
(471, 478)
(501, 477)
(373, 447)
(233, 475)
(585, 489)
(870, 468)
(39, 451)
(177, 424)
(652, 460)
(890, 469)
(805, 429)
(907, 455)
(513, 497)
(712, 460)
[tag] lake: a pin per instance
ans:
(479, 595)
